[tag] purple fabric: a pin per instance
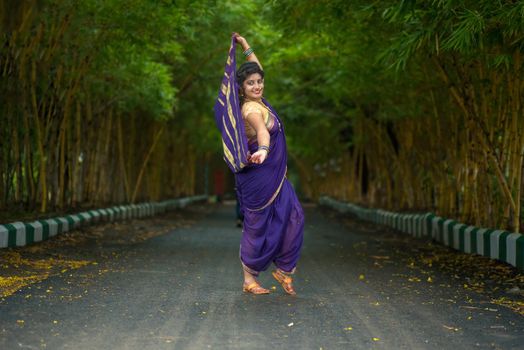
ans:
(273, 216)
(273, 234)
(229, 118)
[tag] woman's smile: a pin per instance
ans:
(253, 86)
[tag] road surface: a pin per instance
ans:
(360, 286)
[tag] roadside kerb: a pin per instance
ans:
(17, 234)
(495, 244)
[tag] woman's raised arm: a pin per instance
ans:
(251, 57)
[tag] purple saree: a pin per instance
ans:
(273, 216)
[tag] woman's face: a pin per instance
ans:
(253, 86)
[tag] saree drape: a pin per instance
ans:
(229, 118)
(273, 217)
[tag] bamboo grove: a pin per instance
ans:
(433, 99)
(90, 111)
(404, 105)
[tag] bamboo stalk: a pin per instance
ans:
(122, 158)
(144, 164)
(481, 137)
(62, 160)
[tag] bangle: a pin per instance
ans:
(266, 148)
(248, 51)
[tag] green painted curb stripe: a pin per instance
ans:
(122, 212)
(520, 252)
(468, 239)
(494, 243)
(458, 238)
(70, 222)
(20, 233)
(419, 229)
(483, 242)
(11, 235)
(440, 232)
(121, 215)
(461, 236)
(45, 229)
(53, 227)
(112, 214)
(64, 225)
(39, 231)
(429, 224)
(435, 228)
(95, 214)
(474, 238)
(423, 225)
(116, 213)
(447, 236)
(456, 230)
(4, 237)
(415, 225)
(77, 220)
(84, 217)
(503, 245)
(151, 209)
(99, 215)
(511, 248)
(29, 233)
(382, 217)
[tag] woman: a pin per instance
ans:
(273, 216)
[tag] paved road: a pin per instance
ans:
(359, 287)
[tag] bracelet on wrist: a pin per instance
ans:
(248, 52)
(266, 148)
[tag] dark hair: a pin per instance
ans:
(245, 70)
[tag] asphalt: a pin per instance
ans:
(359, 286)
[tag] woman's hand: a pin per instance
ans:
(258, 157)
(240, 39)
